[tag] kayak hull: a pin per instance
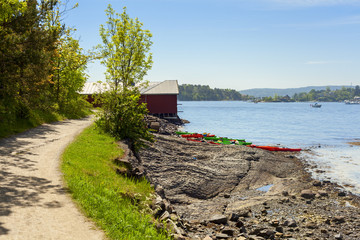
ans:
(276, 149)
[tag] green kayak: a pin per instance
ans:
(212, 138)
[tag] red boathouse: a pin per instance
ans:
(161, 97)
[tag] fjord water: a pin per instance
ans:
(326, 131)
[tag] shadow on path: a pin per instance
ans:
(24, 190)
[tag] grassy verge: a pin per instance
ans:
(115, 203)
(35, 119)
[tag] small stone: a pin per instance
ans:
(218, 219)
(279, 229)
(342, 194)
(317, 183)
(307, 194)
(274, 223)
(222, 236)
(179, 237)
(164, 216)
(234, 217)
(311, 225)
(323, 230)
(278, 234)
(207, 238)
(338, 236)
(226, 195)
(308, 202)
(245, 213)
(288, 236)
(339, 219)
(267, 233)
(174, 217)
(242, 229)
(228, 231)
(323, 193)
(239, 224)
(290, 223)
(155, 125)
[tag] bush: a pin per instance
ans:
(123, 118)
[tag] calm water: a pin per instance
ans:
(291, 125)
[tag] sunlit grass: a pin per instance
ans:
(114, 202)
(36, 118)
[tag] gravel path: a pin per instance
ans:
(33, 201)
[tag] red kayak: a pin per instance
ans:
(271, 148)
(192, 136)
(209, 135)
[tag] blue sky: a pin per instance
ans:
(238, 44)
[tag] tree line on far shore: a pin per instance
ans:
(326, 95)
(189, 92)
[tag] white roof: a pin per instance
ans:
(154, 88)
(94, 87)
(161, 88)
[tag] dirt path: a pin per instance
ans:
(33, 202)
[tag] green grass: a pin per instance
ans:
(20, 125)
(36, 118)
(114, 202)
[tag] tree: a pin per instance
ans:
(125, 49)
(37, 54)
(357, 91)
(125, 53)
(26, 49)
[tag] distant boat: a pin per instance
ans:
(316, 105)
(356, 100)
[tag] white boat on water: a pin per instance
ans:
(356, 100)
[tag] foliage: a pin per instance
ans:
(123, 117)
(36, 55)
(10, 7)
(125, 53)
(125, 49)
(106, 197)
(189, 92)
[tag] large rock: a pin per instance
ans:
(307, 194)
(155, 126)
(222, 236)
(218, 219)
(290, 223)
(229, 231)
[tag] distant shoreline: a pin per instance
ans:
(354, 143)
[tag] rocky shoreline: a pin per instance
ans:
(209, 192)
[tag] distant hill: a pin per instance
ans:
(270, 92)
